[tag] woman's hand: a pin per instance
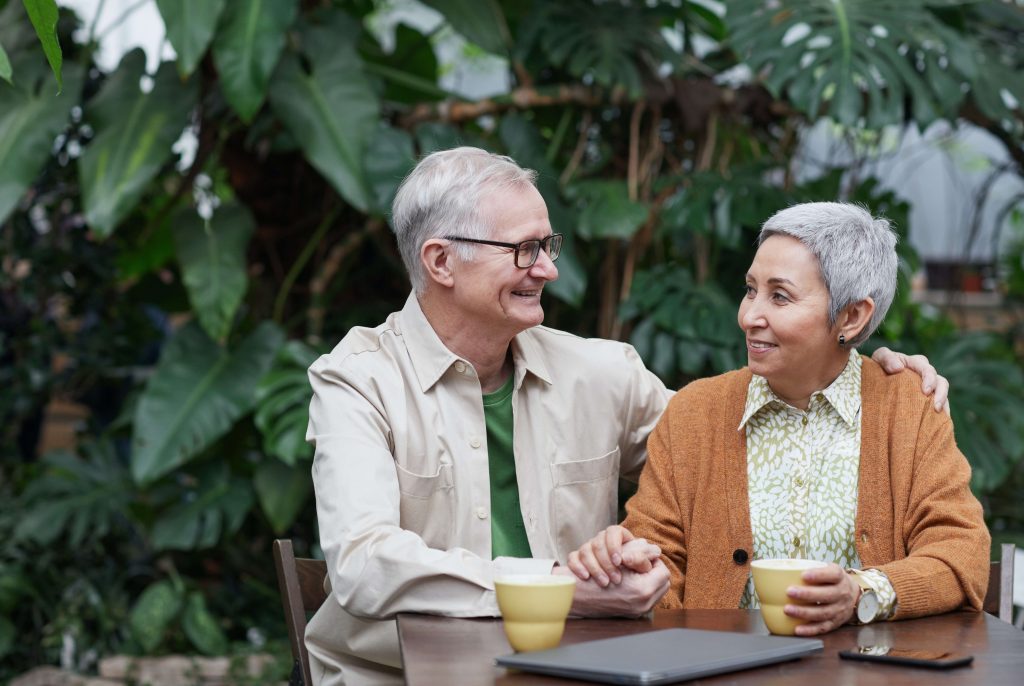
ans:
(832, 594)
(602, 556)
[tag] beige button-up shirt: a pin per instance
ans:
(401, 474)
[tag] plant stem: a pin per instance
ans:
(120, 19)
(95, 21)
(559, 136)
(300, 263)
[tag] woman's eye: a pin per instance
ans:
(780, 297)
(749, 290)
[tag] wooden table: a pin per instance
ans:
(441, 651)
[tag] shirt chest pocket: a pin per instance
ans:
(427, 503)
(584, 498)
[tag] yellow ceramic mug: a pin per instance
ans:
(534, 608)
(771, 579)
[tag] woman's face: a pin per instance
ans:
(784, 315)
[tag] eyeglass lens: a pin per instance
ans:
(528, 251)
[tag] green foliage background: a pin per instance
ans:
(181, 298)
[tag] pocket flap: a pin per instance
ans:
(423, 485)
(582, 471)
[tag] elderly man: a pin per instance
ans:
(460, 439)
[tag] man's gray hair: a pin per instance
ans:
(856, 254)
(442, 195)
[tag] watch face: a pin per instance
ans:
(867, 608)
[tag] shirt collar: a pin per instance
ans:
(528, 356)
(431, 359)
(843, 394)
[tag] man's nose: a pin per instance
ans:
(544, 267)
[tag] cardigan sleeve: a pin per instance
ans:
(653, 512)
(944, 531)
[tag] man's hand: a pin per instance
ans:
(833, 596)
(603, 557)
(931, 383)
(634, 595)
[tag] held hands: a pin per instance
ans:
(635, 594)
(833, 595)
(617, 574)
(931, 383)
(604, 557)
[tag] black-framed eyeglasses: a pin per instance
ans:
(525, 252)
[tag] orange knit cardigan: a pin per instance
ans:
(917, 520)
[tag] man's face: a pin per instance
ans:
(493, 294)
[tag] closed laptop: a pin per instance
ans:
(662, 657)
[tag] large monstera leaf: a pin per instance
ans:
(190, 28)
(30, 119)
(212, 257)
(328, 104)
(861, 58)
(134, 135)
(614, 46)
(44, 15)
(480, 21)
(986, 405)
(198, 392)
(248, 48)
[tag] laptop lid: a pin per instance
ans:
(662, 657)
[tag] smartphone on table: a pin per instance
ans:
(908, 657)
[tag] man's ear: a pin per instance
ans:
(438, 261)
(855, 317)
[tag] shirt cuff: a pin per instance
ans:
(504, 566)
(878, 582)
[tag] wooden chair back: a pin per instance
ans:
(301, 582)
(999, 599)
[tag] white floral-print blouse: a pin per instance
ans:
(802, 471)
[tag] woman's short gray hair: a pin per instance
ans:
(442, 197)
(856, 254)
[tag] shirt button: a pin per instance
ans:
(804, 421)
(475, 442)
(796, 541)
(799, 481)
(460, 366)
(739, 556)
(481, 513)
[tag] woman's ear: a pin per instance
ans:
(438, 261)
(855, 317)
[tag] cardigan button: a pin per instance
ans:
(739, 556)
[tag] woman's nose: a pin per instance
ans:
(751, 315)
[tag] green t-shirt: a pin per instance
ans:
(508, 534)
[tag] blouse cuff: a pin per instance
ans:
(878, 582)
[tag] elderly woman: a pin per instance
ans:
(811, 451)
